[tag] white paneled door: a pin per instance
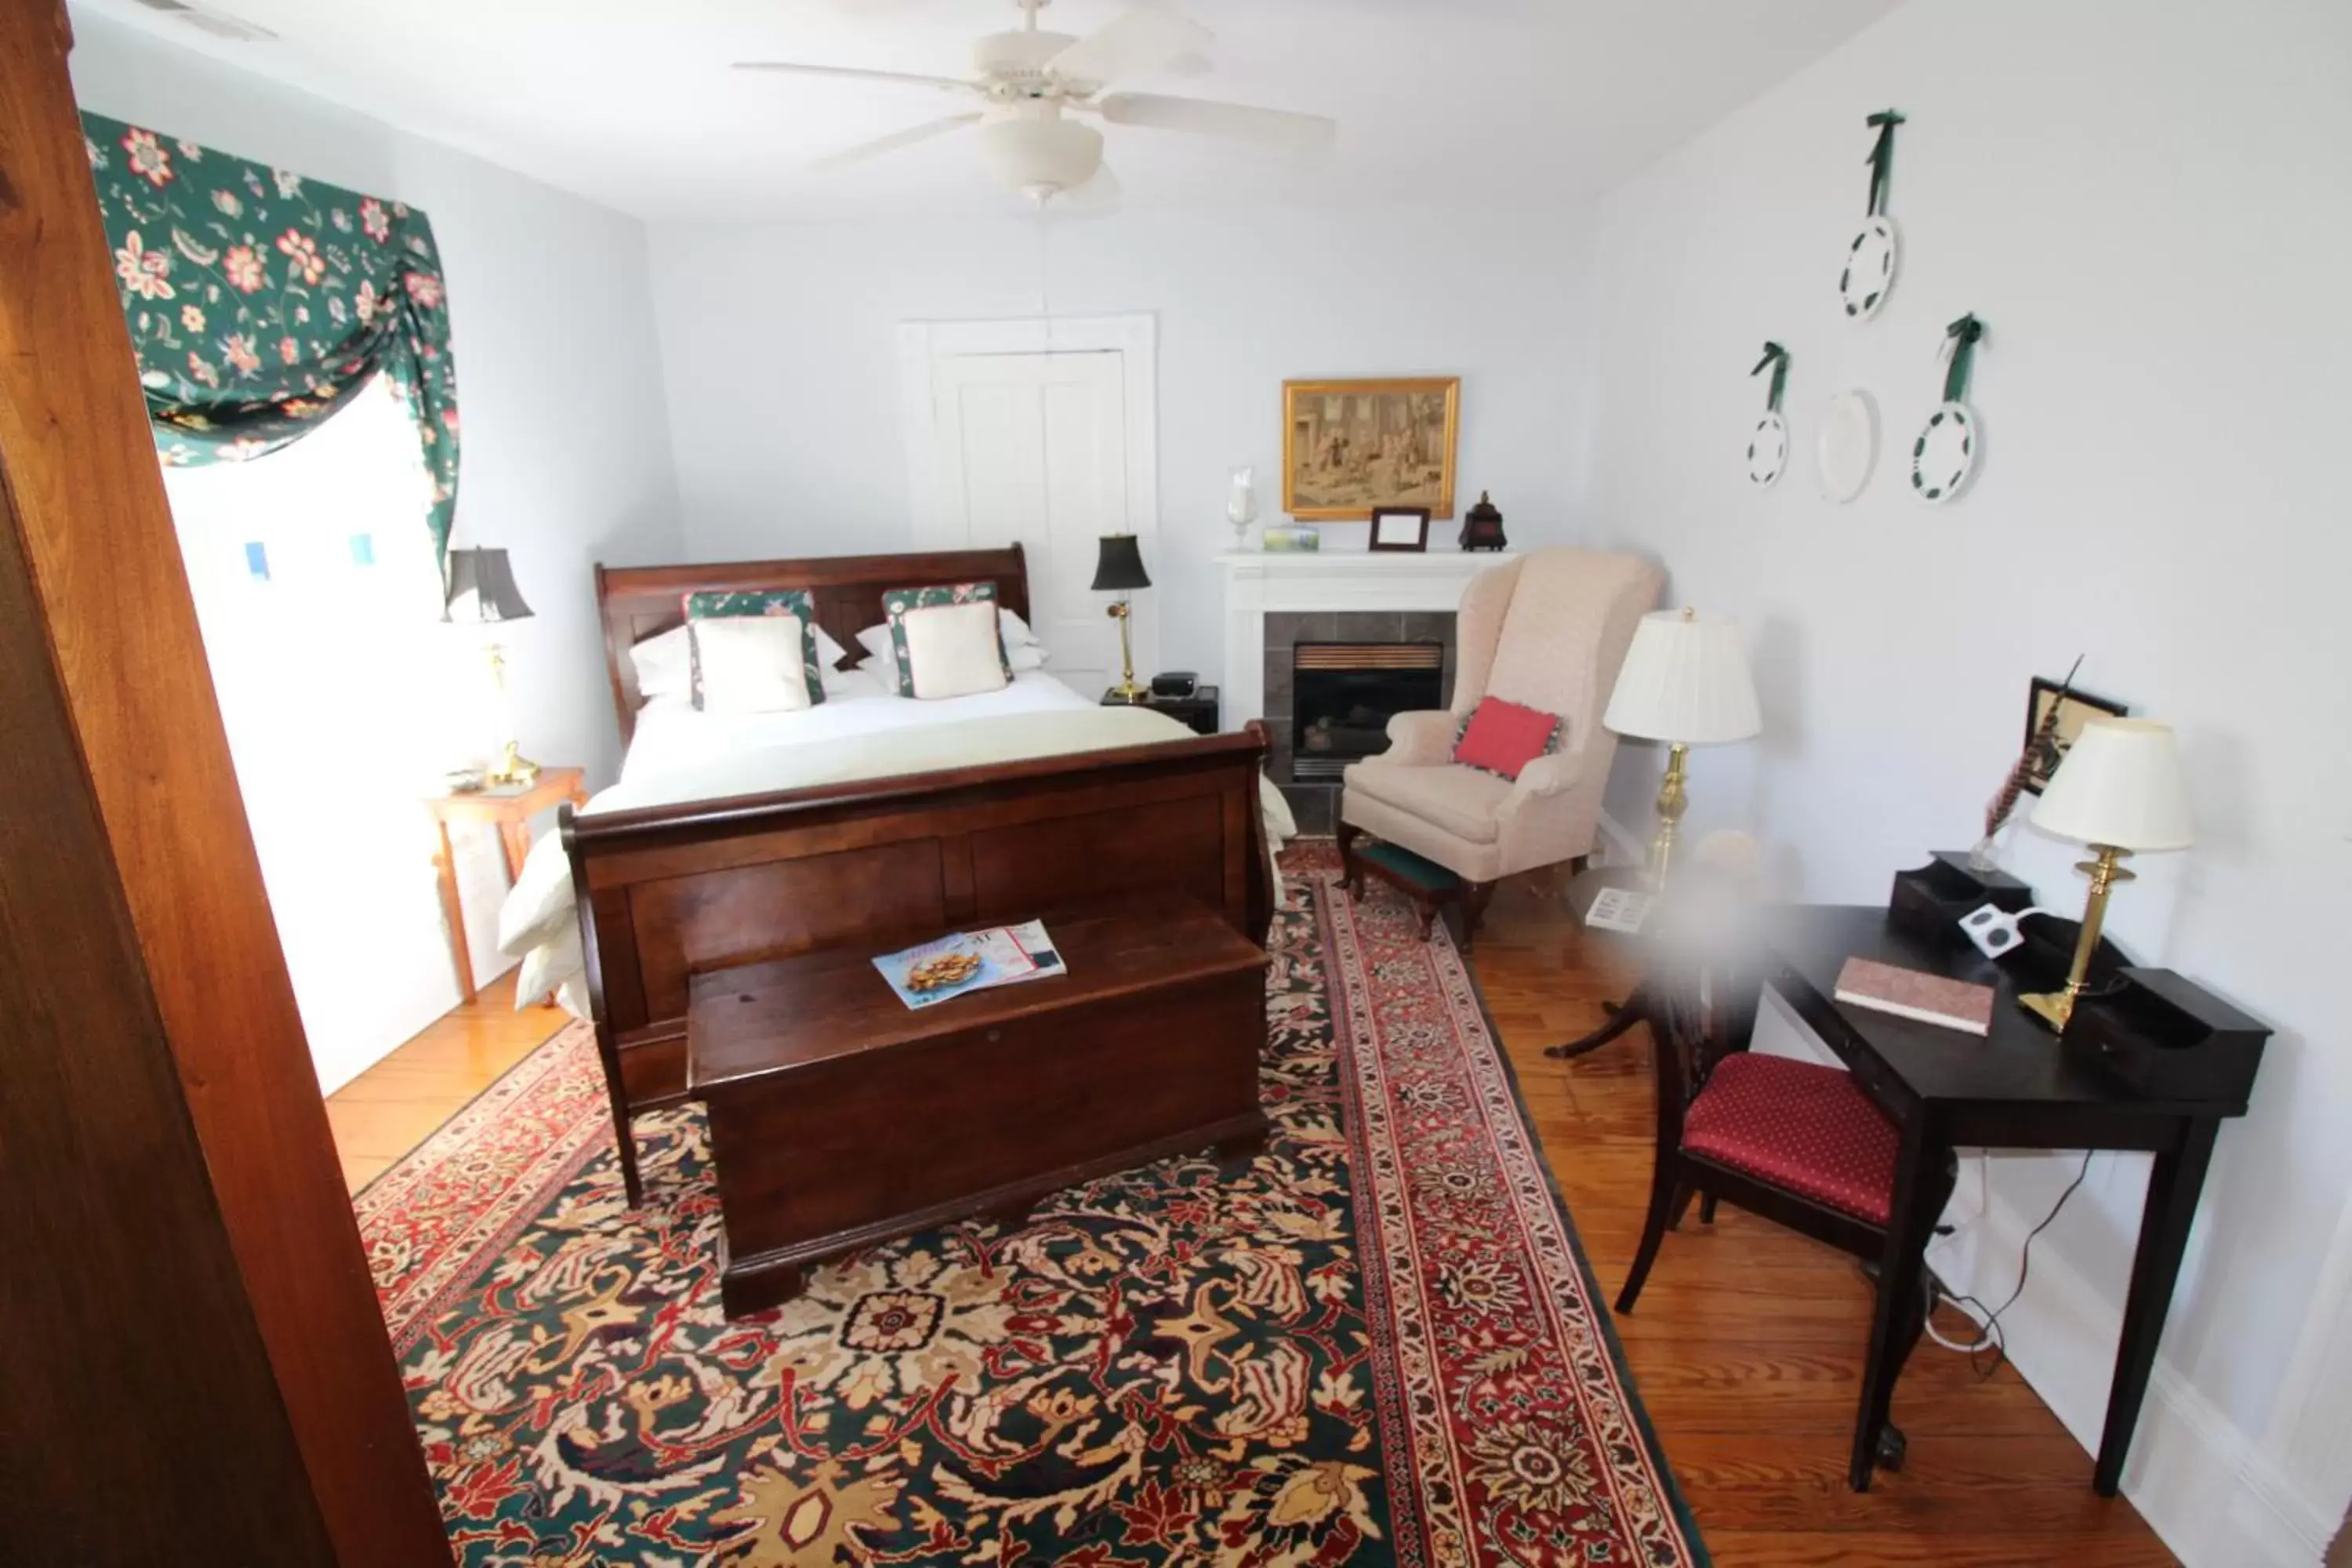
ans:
(1034, 449)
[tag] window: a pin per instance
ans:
(345, 699)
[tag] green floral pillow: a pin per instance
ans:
(898, 603)
(714, 605)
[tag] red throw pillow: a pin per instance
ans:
(1502, 738)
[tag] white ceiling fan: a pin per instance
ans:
(1031, 83)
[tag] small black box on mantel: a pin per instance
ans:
(1175, 683)
(1930, 900)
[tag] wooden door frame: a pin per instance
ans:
(105, 567)
(1134, 336)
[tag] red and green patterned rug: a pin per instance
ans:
(1380, 1346)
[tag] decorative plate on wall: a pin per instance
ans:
(1847, 449)
(1871, 253)
(1945, 454)
(1768, 450)
(1768, 444)
(1869, 268)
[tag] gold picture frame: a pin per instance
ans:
(1352, 447)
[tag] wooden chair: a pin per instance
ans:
(1798, 1144)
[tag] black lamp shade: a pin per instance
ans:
(482, 588)
(1120, 567)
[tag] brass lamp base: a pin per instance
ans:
(1672, 800)
(2055, 1008)
(512, 769)
(1128, 689)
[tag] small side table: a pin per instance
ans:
(1583, 890)
(1198, 710)
(509, 809)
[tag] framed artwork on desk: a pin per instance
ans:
(2074, 709)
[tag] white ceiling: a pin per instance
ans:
(630, 102)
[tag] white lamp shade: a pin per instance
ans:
(1684, 680)
(2120, 784)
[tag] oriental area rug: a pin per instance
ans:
(1379, 1346)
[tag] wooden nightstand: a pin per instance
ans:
(509, 809)
(1198, 711)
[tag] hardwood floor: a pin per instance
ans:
(1748, 1343)
(1748, 1338)
(395, 1105)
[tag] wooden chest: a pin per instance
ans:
(839, 1117)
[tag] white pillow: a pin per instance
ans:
(751, 664)
(665, 662)
(1027, 656)
(952, 650)
(664, 665)
(875, 641)
(1016, 631)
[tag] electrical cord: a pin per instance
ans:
(1989, 1336)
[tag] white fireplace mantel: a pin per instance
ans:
(1258, 582)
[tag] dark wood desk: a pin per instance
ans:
(1949, 1091)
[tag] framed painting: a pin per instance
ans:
(1350, 447)
(2073, 709)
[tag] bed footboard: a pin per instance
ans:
(668, 893)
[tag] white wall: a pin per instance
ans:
(566, 458)
(2149, 202)
(779, 346)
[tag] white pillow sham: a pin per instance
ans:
(665, 662)
(751, 664)
(1022, 648)
(952, 650)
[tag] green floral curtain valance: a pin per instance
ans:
(260, 302)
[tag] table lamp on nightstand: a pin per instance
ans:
(1118, 569)
(481, 592)
(2120, 792)
(1684, 681)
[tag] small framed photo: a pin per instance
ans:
(1400, 528)
(2075, 709)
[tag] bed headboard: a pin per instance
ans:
(637, 602)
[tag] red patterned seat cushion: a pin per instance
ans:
(1799, 1126)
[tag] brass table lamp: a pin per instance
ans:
(480, 591)
(1684, 681)
(1118, 569)
(2120, 792)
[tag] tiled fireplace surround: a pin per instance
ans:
(1317, 804)
(1275, 601)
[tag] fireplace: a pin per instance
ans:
(1332, 678)
(1343, 695)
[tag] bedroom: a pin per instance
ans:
(1592, 222)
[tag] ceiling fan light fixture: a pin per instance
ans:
(1040, 152)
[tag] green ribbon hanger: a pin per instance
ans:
(1882, 157)
(1778, 358)
(1962, 335)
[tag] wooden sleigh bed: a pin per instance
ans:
(667, 892)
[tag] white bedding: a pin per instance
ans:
(862, 732)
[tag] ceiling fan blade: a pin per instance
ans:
(892, 143)
(1135, 43)
(854, 73)
(1267, 127)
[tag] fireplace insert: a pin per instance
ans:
(1345, 694)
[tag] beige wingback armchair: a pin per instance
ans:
(1550, 631)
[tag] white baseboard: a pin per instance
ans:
(2206, 1489)
(1623, 848)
